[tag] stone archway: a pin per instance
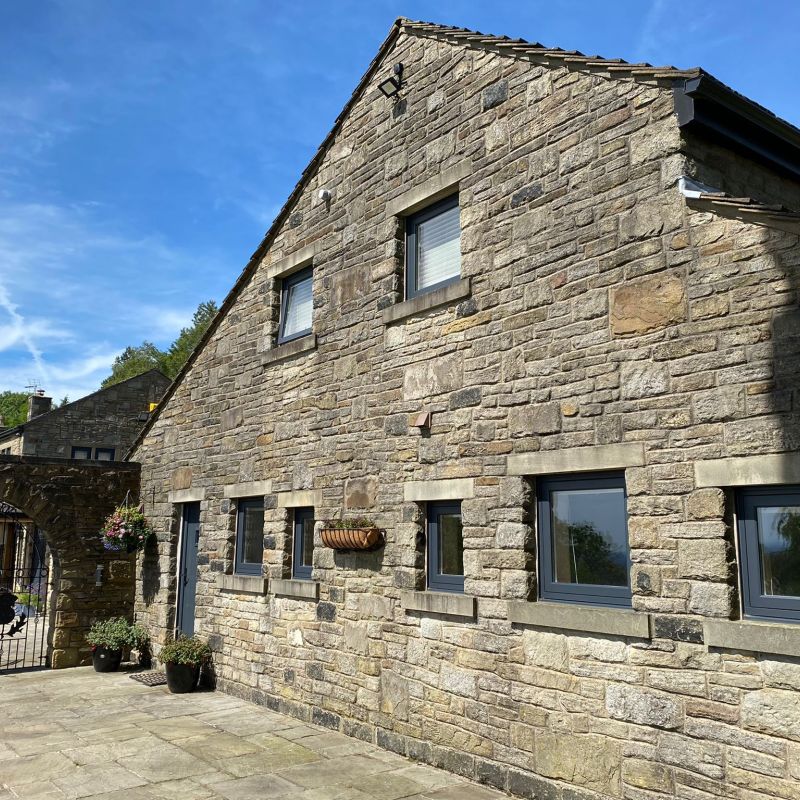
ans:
(69, 500)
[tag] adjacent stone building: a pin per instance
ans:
(99, 427)
(535, 314)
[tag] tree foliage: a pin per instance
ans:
(135, 360)
(13, 408)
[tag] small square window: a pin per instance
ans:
(82, 453)
(296, 305)
(104, 454)
(249, 536)
(584, 555)
(303, 545)
(769, 549)
(433, 247)
(445, 547)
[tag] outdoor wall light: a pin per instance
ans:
(392, 85)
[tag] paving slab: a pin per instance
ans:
(76, 733)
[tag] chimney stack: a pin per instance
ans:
(38, 404)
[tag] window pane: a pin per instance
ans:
(438, 249)
(104, 455)
(298, 308)
(779, 550)
(589, 536)
(82, 453)
(308, 541)
(253, 535)
(451, 545)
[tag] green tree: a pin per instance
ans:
(136, 360)
(13, 408)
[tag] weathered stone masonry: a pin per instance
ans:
(603, 320)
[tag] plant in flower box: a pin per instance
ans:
(126, 529)
(351, 533)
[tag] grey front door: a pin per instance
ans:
(187, 575)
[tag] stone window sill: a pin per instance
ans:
(245, 584)
(304, 590)
(450, 603)
(573, 617)
(780, 638)
(293, 348)
(422, 302)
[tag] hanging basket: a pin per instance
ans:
(126, 529)
(366, 538)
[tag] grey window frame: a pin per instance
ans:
(287, 283)
(300, 570)
(99, 450)
(583, 593)
(412, 223)
(754, 603)
(436, 581)
(240, 566)
(83, 450)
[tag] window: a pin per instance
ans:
(296, 306)
(104, 453)
(433, 247)
(303, 546)
(445, 547)
(82, 453)
(249, 536)
(583, 539)
(769, 549)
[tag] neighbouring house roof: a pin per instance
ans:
(694, 85)
(17, 430)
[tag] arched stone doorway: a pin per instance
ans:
(68, 500)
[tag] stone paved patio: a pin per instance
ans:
(77, 733)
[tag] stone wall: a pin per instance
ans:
(109, 418)
(601, 311)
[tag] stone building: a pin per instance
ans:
(99, 427)
(535, 314)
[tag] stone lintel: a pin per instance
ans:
(430, 191)
(186, 496)
(416, 305)
(293, 348)
(748, 471)
(455, 605)
(247, 584)
(577, 459)
(446, 489)
(572, 617)
(294, 261)
(300, 498)
(247, 489)
(757, 637)
(305, 590)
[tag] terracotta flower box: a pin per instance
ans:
(352, 538)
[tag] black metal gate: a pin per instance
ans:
(23, 613)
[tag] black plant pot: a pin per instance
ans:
(105, 660)
(182, 678)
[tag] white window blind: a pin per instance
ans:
(299, 307)
(439, 249)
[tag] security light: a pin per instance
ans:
(391, 86)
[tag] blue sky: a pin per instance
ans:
(146, 147)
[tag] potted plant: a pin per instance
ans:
(351, 533)
(126, 529)
(182, 659)
(109, 638)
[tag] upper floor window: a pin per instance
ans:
(249, 536)
(433, 247)
(82, 453)
(303, 545)
(583, 539)
(104, 453)
(296, 305)
(769, 549)
(445, 547)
